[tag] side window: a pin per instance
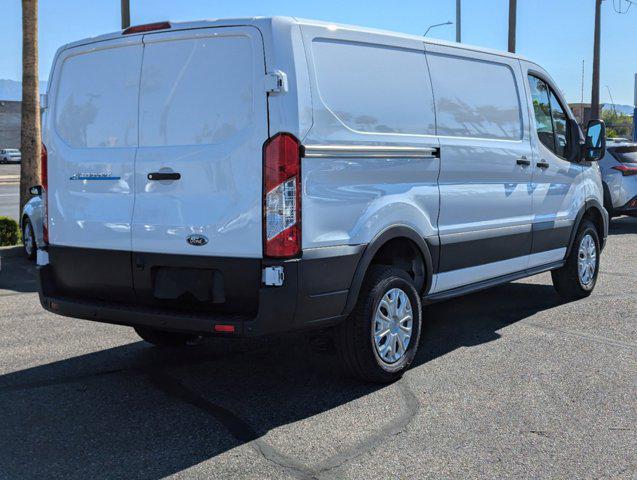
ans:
(358, 83)
(559, 126)
(550, 117)
(475, 98)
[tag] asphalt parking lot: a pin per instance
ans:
(509, 383)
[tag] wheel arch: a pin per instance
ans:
(597, 214)
(391, 234)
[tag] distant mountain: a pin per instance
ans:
(12, 89)
(625, 109)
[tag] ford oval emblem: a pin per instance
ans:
(197, 240)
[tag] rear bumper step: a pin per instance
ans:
(313, 294)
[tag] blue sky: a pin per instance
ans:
(555, 33)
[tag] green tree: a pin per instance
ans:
(617, 124)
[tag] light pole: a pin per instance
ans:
(436, 25)
(513, 10)
(458, 22)
(635, 112)
(595, 89)
(125, 14)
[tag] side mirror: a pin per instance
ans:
(595, 144)
(35, 190)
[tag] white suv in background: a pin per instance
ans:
(619, 176)
(254, 176)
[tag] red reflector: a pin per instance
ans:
(148, 27)
(224, 328)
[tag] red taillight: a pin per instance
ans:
(282, 196)
(224, 328)
(44, 179)
(626, 170)
(148, 27)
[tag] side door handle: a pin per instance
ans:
(543, 164)
(523, 161)
(164, 176)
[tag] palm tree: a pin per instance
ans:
(30, 134)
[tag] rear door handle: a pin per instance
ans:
(523, 161)
(543, 164)
(164, 176)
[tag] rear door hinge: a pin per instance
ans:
(276, 82)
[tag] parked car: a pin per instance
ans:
(619, 175)
(250, 177)
(31, 224)
(617, 140)
(10, 155)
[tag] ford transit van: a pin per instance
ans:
(254, 176)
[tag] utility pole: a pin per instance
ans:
(458, 22)
(30, 134)
(125, 14)
(635, 112)
(581, 105)
(513, 10)
(595, 91)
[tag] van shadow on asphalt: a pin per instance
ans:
(155, 412)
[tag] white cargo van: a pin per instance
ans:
(253, 176)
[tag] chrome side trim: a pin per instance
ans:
(368, 151)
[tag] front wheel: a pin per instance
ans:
(577, 278)
(163, 338)
(379, 340)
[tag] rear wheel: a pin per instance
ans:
(379, 340)
(28, 239)
(577, 278)
(162, 338)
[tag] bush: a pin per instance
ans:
(9, 231)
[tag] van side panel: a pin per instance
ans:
(485, 197)
(369, 91)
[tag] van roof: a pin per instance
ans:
(264, 21)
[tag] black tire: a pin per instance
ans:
(566, 280)
(162, 338)
(30, 247)
(354, 340)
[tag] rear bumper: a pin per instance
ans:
(313, 294)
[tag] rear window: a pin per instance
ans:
(375, 88)
(624, 154)
(475, 98)
(96, 103)
(196, 91)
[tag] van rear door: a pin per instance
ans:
(202, 124)
(90, 133)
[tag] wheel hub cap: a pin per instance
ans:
(28, 241)
(393, 324)
(587, 260)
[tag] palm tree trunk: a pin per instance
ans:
(30, 138)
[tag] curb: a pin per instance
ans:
(9, 179)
